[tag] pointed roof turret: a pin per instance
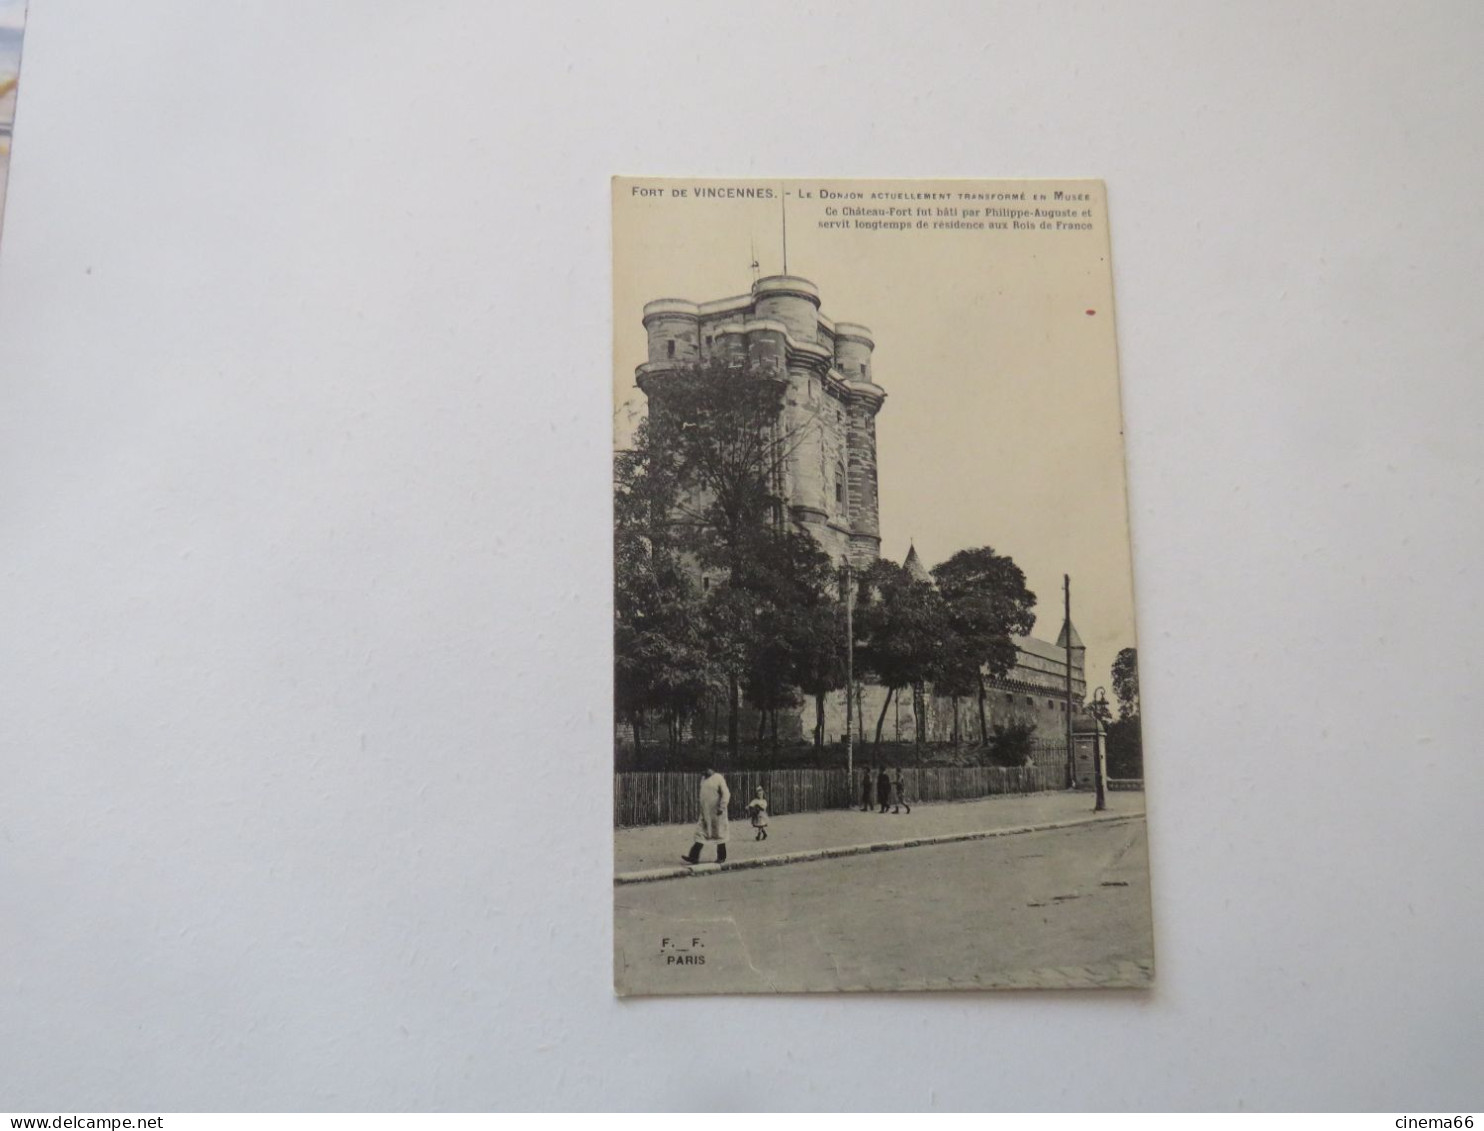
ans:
(1061, 639)
(913, 565)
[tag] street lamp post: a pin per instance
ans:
(1066, 584)
(1100, 716)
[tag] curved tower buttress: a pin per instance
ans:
(853, 349)
(674, 330)
(790, 300)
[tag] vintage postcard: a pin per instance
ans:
(876, 718)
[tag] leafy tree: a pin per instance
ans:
(818, 637)
(955, 671)
(1126, 682)
(1125, 748)
(714, 451)
(986, 602)
(789, 583)
(662, 663)
(1125, 737)
(717, 424)
(1010, 745)
(900, 626)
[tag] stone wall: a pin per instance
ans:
(861, 470)
(1027, 696)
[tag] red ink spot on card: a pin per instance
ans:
(1092, 312)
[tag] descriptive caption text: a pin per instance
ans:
(901, 210)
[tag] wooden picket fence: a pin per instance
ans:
(672, 798)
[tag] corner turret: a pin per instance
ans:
(913, 565)
(674, 330)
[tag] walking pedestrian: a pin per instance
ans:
(883, 789)
(715, 796)
(758, 807)
(899, 794)
(866, 790)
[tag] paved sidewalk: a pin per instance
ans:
(654, 852)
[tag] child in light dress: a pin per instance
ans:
(758, 807)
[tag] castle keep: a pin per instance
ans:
(830, 404)
(829, 481)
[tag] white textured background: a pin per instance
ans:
(304, 543)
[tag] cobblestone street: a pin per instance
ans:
(1066, 908)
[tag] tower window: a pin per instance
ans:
(670, 348)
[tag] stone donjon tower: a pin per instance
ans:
(830, 403)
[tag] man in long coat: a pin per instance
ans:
(883, 789)
(715, 796)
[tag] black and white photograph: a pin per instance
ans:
(877, 712)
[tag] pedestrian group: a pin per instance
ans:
(890, 794)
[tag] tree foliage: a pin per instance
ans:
(986, 602)
(815, 626)
(1125, 736)
(901, 626)
(1011, 744)
(794, 639)
(1126, 682)
(716, 426)
(663, 662)
(1125, 748)
(701, 531)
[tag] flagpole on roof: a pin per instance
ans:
(783, 208)
(1066, 581)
